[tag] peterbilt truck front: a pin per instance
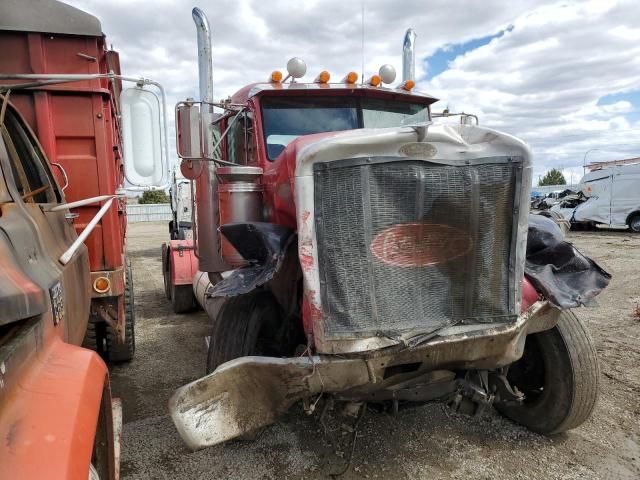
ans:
(373, 256)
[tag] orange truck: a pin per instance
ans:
(57, 416)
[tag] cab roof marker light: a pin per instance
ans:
(323, 77)
(276, 76)
(350, 78)
(407, 85)
(374, 80)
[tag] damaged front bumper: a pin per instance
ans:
(248, 393)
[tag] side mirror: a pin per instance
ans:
(144, 159)
(197, 132)
(188, 130)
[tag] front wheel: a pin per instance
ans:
(559, 375)
(245, 325)
(634, 223)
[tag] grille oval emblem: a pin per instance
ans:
(418, 150)
(420, 244)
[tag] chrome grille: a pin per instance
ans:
(407, 247)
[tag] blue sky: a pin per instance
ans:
(438, 62)
(632, 97)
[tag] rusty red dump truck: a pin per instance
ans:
(350, 247)
(68, 87)
(57, 416)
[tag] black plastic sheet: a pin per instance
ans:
(264, 246)
(557, 269)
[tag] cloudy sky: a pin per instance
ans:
(564, 76)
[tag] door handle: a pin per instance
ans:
(64, 175)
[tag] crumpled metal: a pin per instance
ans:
(565, 277)
(264, 246)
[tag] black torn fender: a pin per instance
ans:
(264, 246)
(556, 268)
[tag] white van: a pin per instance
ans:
(613, 198)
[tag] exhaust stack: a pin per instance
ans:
(207, 218)
(205, 63)
(409, 56)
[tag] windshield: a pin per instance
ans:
(287, 118)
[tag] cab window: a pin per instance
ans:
(28, 165)
(240, 140)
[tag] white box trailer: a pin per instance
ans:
(613, 198)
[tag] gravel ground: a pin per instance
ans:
(424, 442)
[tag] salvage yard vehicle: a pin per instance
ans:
(57, 416)
(607, 196)
(67, 85)
(372, 256)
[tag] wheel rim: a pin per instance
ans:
(635, 224)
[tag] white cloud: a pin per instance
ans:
(540, 80)
(543, 78)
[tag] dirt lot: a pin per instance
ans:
(425, 442)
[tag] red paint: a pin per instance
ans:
(77, 126)
(529, 294)
(420, 244)
(306, 261)
(184, 263)
(48, 422)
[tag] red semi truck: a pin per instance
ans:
(350, 247)
(68, 87)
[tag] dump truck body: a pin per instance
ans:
(78, 125)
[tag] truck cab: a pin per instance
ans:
(351, 248)
(56, 411)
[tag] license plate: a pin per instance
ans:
(57, 302)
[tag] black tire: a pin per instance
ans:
(182, 298)
(559, 376)
(166, 273)
(117, 352)
(94, 337)
(634, 223)
(244, 326)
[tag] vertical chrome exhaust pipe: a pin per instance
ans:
(205, 59)
(409, 56)
(207, 219)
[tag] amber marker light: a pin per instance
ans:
(375, 80)
(408, 85)
(276, 76)
(101, 285)
(351, 77)
(323, 77)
